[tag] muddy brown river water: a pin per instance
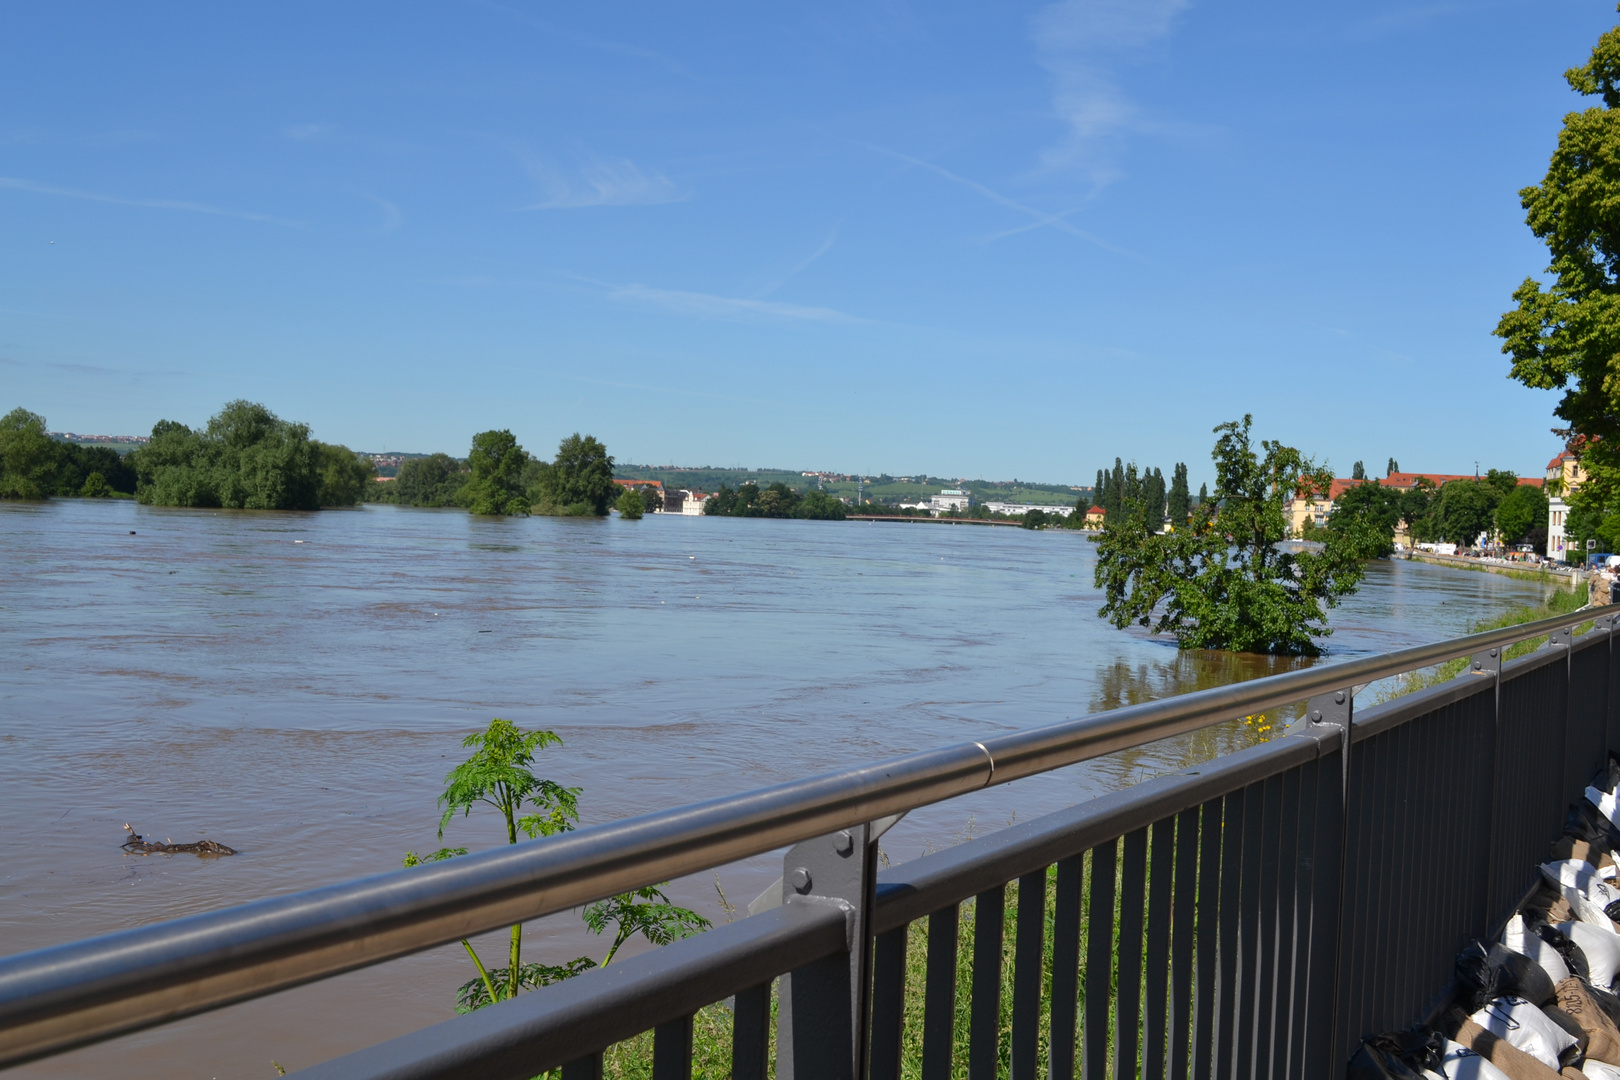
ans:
(296, 685)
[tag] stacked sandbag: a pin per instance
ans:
(1540, 1002)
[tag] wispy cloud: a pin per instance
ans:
(679, 301)
(1080, 42)
(573, 37)
(712, 306)
(391, 216)
(1040, 218)
(156, 204)
(794, 270)
(598, 182)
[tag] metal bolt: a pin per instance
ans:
(800, 880)
(1316, 716)
(1338, 697)
(843, 843)
(1493, 652)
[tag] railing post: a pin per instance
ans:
(1327, 719)
(822, 1015)
(1488, 664)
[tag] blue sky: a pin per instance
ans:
(976, 239)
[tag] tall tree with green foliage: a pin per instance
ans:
(1179, 503)
(496, 485)
(27, 456)
(1566, 335)
(1358, 471)
(580, 479)
(1392, 468)
(1367, 516)
(435, 480)
(1226, 581)
(1521, 516)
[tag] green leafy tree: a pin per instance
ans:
(1393, 468)
(343, 475)
(499, 774)
(580, 480)
(1416, 509)
(630, 504)
(1180, 499)
(1033, 519)
(820, 506)
(1521, 516)
(1226, 581)
(495, 485)
(1358, 471)
(1463, 510)
(435, 480)
(95, 486)
(652, 500)
(27, 456)
(645, 911)
(1565, 335)
(1367, 515)
(247, 458)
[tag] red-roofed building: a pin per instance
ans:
(1564, 475)
(1317, 509)
(1095, 516)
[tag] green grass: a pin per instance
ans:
(1559, 602)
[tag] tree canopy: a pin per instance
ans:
(495, 485)
(247, 458)
(1226, 581)
(1565, 334)
(580, 480)
(774, 501)
(35, 466)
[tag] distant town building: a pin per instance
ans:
(114, 440)
(950, 499)
(1019, 509)
(1318, 508)
(692, 502)
(1095, 517)
(1564, 475)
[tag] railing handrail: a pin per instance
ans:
(67, 995)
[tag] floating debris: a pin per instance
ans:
(203, 849)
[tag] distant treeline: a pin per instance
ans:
(35, 466)
(775, 501)
(1124, 483)
(498, 476)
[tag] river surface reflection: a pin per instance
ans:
(296, 686)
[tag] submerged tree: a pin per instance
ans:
(580, 481)
(496, 485)
(1227, 581)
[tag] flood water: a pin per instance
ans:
(296, 685)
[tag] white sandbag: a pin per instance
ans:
(1584, 876)
(1522, 1025)
(1460, 1063)
(1608, 805)
(1600, 1070)
(1517, 937)
(1601, 947)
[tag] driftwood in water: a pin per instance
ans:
(139, 845)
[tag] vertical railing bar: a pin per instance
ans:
(1329, 865)
(751, 1034)
(1128, 992)
(1251, 947)
(1028, 977)
(1356, 931)
(984, 1022)
(1208, 967)
(888, 1002)
(1307, 849)
(588, 1067)
(1226, 989)
(1393, 797)
(939, 993)
(1099, 962)
(1065, 968)
(1183, 921)
(672, 1050)
(1276, 1015)
(1161, 865)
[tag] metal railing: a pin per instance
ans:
(1256, 915)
